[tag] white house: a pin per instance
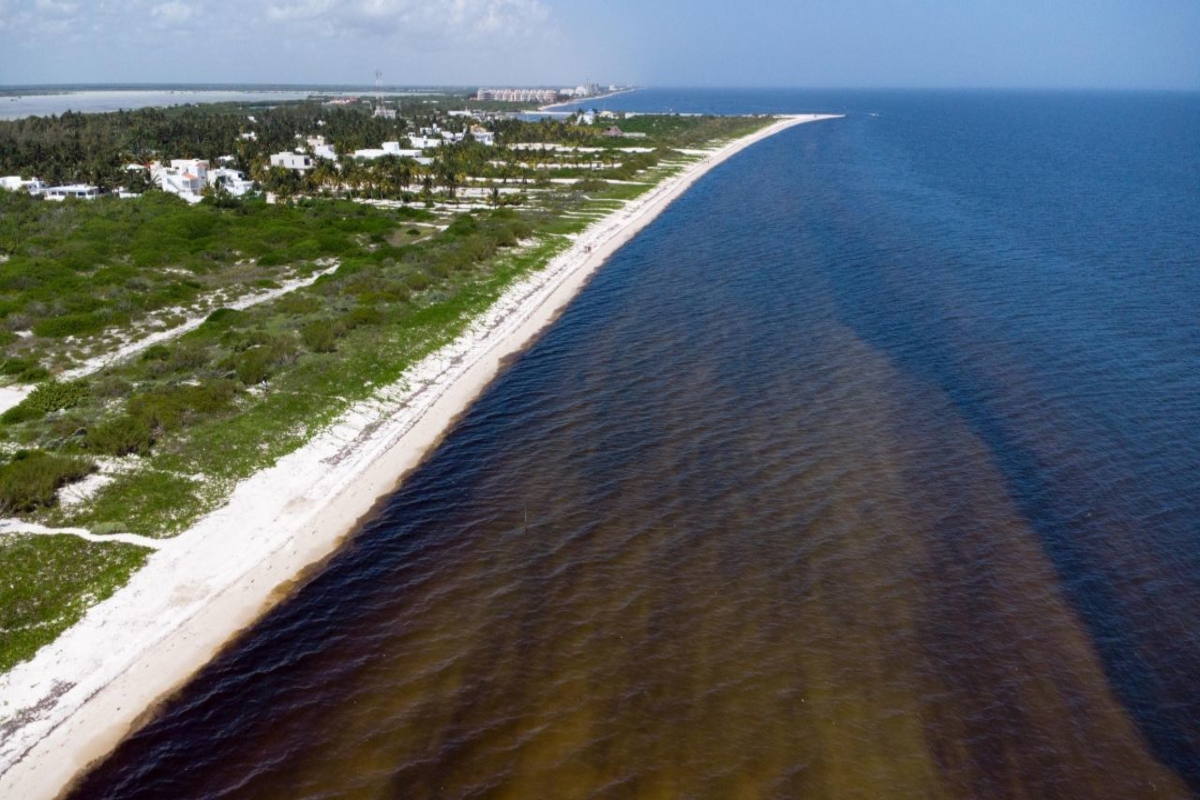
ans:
(394, 149)
(426, 142)
(185, 178)
(321, 148)
(232, 180)
(14, 183)
(191, 165)
(77, 190)
(301, 162)
(483, 135)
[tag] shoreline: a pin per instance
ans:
(604, 96)
(81, 695)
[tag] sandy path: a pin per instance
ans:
(16, 527)
(80, 695)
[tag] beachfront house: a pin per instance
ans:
(300, 162)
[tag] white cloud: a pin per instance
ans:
(433, 41)
(56, 7)
(305, 9)
(417, 21)
(173, 13)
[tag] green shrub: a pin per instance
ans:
(29, 481)
(297, 303)
(225, 318)
(25, 370)
(463, 225)
(79, 324)
(157, 352)
(363, 315)
(120, 436)
(109, 387)
(253, 366)
(188, 356)
(321, 335)
(273, 258)
(170, 407)
(417, 281)
(46, 399)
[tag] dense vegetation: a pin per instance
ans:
(95, 148)
(80, 269)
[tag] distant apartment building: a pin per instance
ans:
(518, 95)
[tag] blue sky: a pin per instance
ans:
(808, 43)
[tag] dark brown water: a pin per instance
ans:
(840, 481)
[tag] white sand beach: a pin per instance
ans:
(79, 696)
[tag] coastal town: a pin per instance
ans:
(315, 157)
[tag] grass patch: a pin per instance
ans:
(46, 399)
(49, 582)
(148, 502)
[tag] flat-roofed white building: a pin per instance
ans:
(178, 180)
(518, 95)
(15, 183)
(191, 165)
(79, 191)
(231, 180)
(301, 162)
(426, 142)
(483, 135)
(394, 149)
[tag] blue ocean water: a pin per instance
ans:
(869, 469)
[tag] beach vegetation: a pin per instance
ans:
(47, 398)
(49, 582)
(30, 479)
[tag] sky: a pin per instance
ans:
(1099, 44)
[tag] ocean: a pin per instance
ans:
(870, 469)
